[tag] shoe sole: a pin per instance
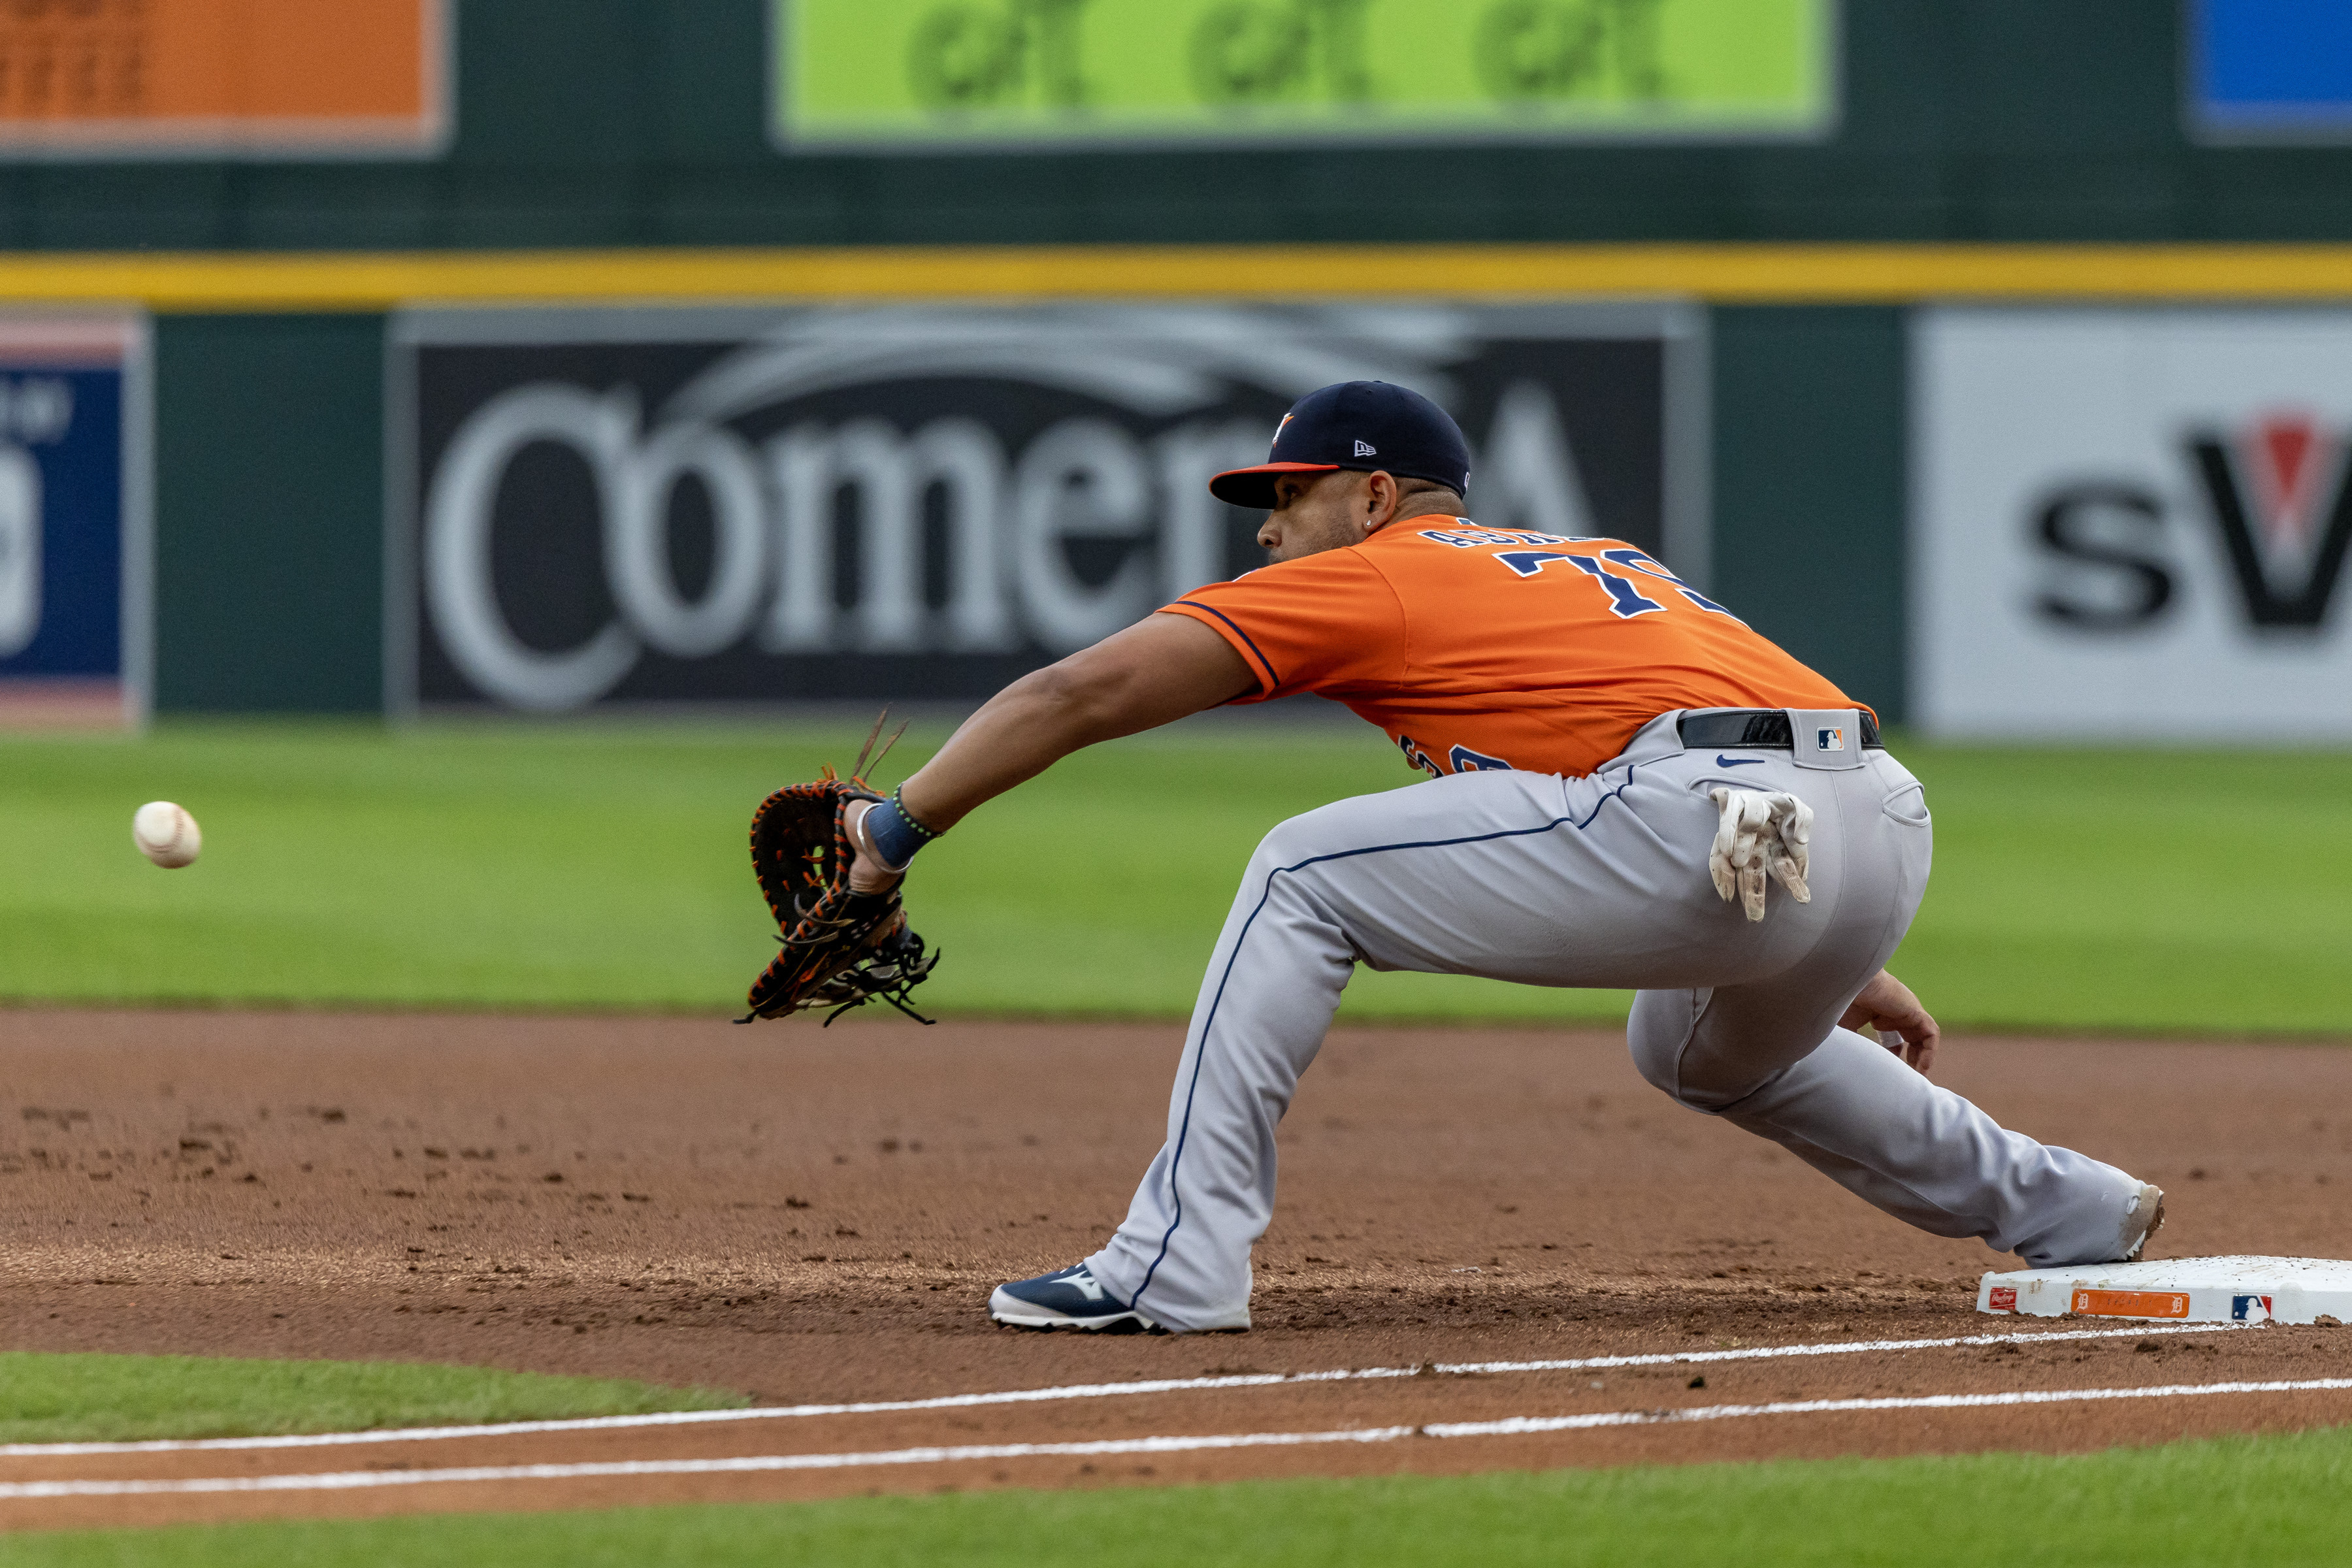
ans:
(1117, 1323)
(1014, 1313)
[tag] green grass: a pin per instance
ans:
(2273, 1500)
(2159, 890)
(604, 868)
(116, 1398)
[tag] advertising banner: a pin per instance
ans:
(596, 507)
(987, 74)
(201, 79)
(73, 551)
(2132, 523)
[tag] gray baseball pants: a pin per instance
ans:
(1599, 881)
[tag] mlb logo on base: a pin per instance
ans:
(1830, 740)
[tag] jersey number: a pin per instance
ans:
(1626, 600)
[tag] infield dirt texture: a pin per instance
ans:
(817, 1216)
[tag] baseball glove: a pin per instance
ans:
(841, 949)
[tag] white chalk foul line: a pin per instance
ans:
(1072, 1391)
(1512, 1426)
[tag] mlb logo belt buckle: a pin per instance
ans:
(1829, 740)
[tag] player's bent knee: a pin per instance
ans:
(1657, 1031)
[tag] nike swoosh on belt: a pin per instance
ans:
(1723, 762)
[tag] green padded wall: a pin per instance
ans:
(269, 513)
(1809, 488)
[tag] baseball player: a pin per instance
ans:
(1631, 789)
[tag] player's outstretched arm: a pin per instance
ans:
(1155, 672)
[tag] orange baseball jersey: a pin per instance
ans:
(1478, 648)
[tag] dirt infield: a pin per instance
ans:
(816, 1216)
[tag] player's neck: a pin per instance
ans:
(1447, 512)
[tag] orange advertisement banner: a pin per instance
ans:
(222, 77)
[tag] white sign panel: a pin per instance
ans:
(2131, 524)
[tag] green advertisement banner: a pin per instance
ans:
(989, 74)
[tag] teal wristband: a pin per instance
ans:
(895, 833)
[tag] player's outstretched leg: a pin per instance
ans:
(1853, 1112)
(1765, 1054)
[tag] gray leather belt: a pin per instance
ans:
(1756, 729)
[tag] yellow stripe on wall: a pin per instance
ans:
(1758, 274)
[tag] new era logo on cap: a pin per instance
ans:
(1831, 740)
(1364, 449)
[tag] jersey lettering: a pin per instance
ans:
(1625, 601)
(1468, 538)
(1649, 567)
(1418, 758)
(1460, 760)
(1465, 761)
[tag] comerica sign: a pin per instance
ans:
(727, 506)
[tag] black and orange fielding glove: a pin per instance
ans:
(840, 949)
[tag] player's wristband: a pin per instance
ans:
(895, 833)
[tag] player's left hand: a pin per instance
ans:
(1905, 1027)
(868, 873)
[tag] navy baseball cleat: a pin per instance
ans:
(1072, 1298)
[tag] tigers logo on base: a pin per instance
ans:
(2131, 1303)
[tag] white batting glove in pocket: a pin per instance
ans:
(1760, 832)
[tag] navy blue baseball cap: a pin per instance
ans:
(1358, 424)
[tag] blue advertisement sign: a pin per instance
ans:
(73, 521)
(2270, 70)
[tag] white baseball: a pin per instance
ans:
(166, 834)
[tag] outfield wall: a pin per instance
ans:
(595, 152)
(2038, 516)
(2125, 520)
